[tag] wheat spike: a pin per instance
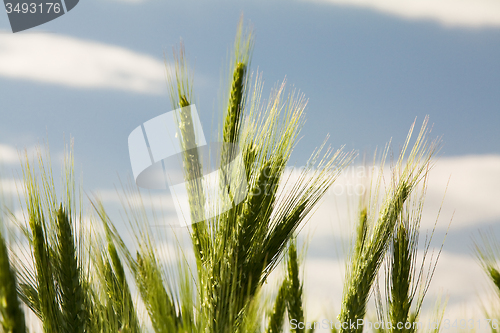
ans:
(11, 315)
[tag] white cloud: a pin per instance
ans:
(323, 286)
(155, 201)
(11, 187)
(471, 198)
(473, 193)
(13, 156)
(469, 13)
(457, 276)
(68, 61)
(8, 155)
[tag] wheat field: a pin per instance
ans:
(76, 278)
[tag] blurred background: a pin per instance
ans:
(368, 68)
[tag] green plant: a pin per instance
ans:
(376, 232)
(54, 288)
(487, 252)
(237, 250)
(11, 314)
(83, 280)
(289, 300)
(406, 279)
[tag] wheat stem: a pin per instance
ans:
(277, 317)
(294, 294)
(68, 276)
(11, 315)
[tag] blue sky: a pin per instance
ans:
(367, 74)
(368, 68)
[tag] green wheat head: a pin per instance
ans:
(487, 252)
(11, 314)
(86, 281)
(236, 250)
(57, 286)
(369, 250)
(294, 293)
(406, 279)
(277, 315)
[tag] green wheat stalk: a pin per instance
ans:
(406, 280)
(69, 276)
(237, 250)
(45, 287)
(277, 316)
(117, 284)
(11, 315)
(362, 271)
(487, 252)
(58, 289)
(80, 287)
(294, 293)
